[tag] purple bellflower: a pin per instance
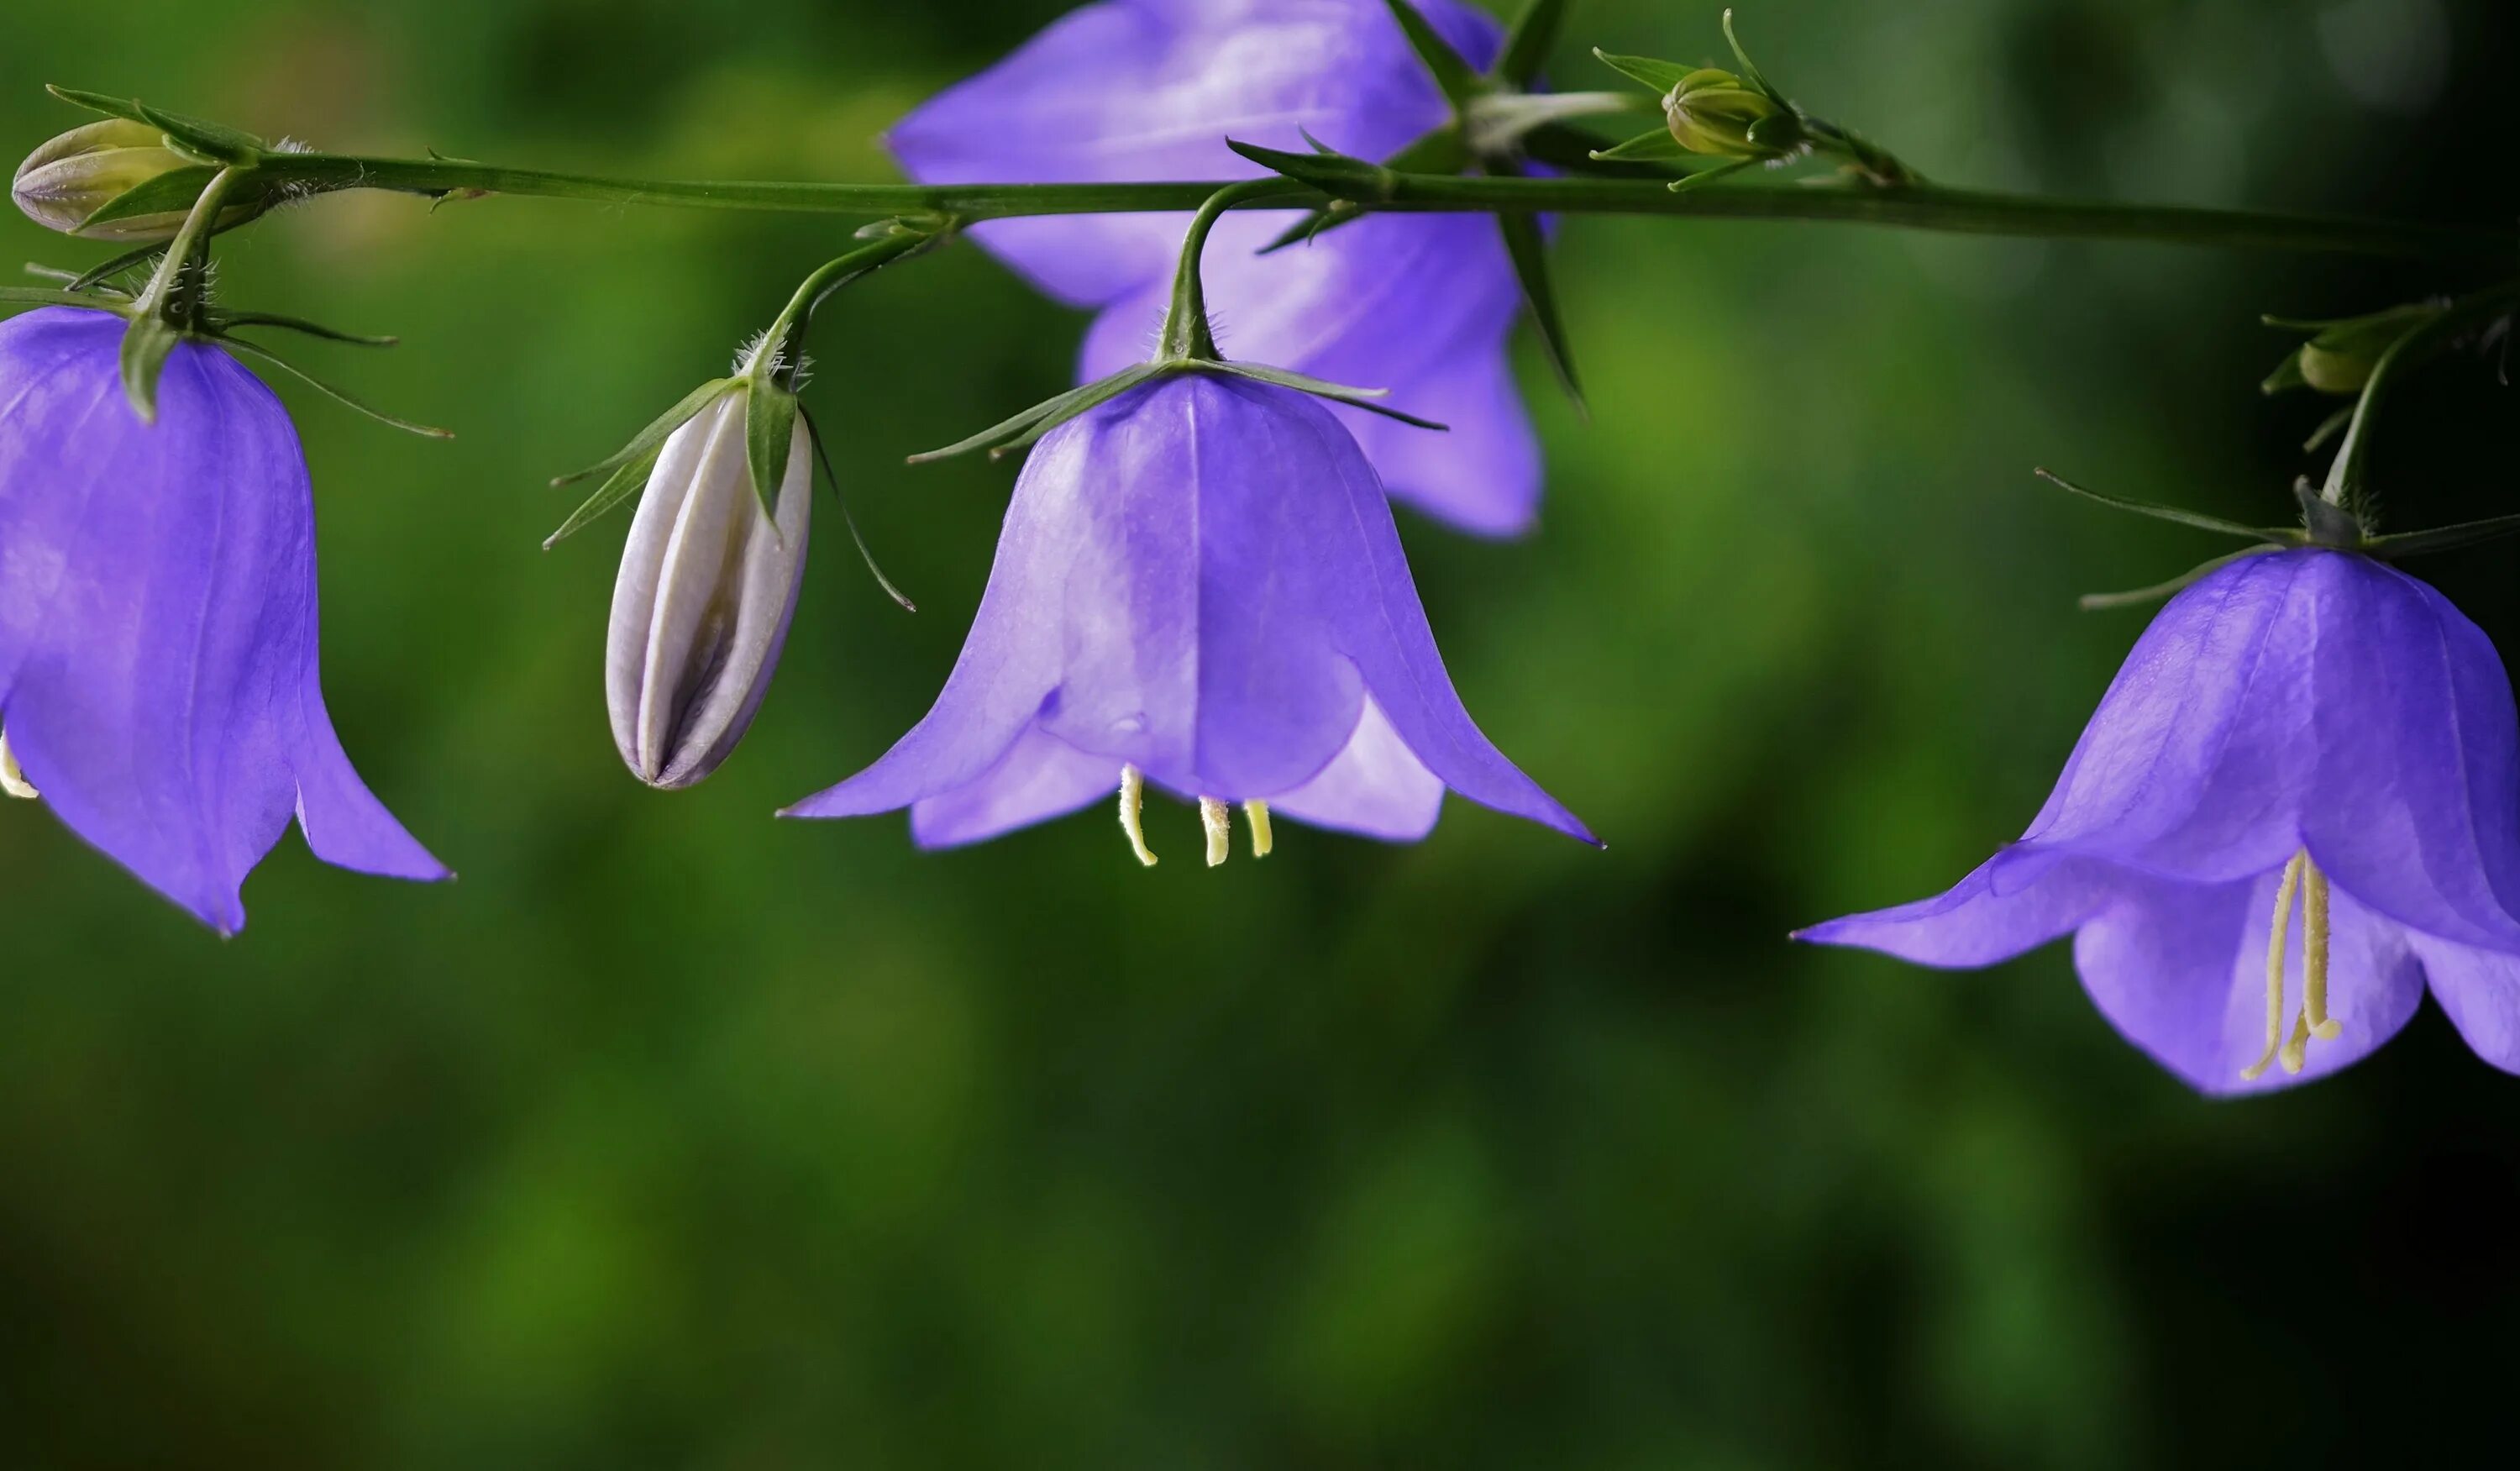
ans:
(1139, 90)
(157, 635)
(1199, 586)
(2301, 731)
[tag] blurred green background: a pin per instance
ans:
(674, 1136)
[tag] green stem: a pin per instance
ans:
(1919, 207)
(2345, 478)
(1186, 333)
(780, 342)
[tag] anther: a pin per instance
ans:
(1133, 811)
(13, 780)
(1257, 814)
(2276, 969)
(1218, 820)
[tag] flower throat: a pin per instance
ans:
(2301, 876)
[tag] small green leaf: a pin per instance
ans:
(1528, 42)
(1662, 76)
(1453, 76)
(1529, 249)
(1337, 175)
(2329, 428)
(36, 295)
(95, 276)
(219, 320)
(768, 434)
(2280, 535)
(1367, 399)
(1644, 148)
(2287, 376)
(1441, 152)
(656, 432)
(625, 482)
(146, 344)
(814, 433)
(1749, 68)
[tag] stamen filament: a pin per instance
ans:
(2314, 935)
(2276, 968)
(1218, 820)
(1133, 811)
(13, 780)
(1257, 814)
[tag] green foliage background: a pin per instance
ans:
(671, 1136)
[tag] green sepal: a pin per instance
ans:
(2327, 523)
(1454, 78)
(814, 435)
(1004, 438)
(146, 346)
(626, 481)
(2329, 428)
(1749, 68)
(1706, 177)
(37, 296)
(655, 434)
(2094, 603)
(98, 101)
(170, 192)
(95, 275)
(1661, 76)
(2441, 538)
(224, 322)
(407, 425)
(2281, 536)
(2287, 376)
(1652, 147)
(1367, 399)
(215, 142)
(1529, 251)
(1528, 42)
(768, 434)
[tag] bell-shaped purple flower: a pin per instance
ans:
(2297, 807)
(1149, 90)
(1199, 586)
(157, 634)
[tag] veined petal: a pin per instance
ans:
(1976, 924)
(2180, 970)
(1040, 777)
(2480, 989)
(157, 627)
(1151, 90)
(1376, 787)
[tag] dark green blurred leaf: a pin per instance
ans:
(1529, 40)
(1458, 79)
(1528, 245)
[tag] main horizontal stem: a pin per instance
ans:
(1915, 207)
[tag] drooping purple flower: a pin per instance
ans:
(1151, 90)
(2304, 733)
(157, 632)
(1199, 586)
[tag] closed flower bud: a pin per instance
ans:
(709, 584)
(1716, 113)
(2341, 358)
(83, 170)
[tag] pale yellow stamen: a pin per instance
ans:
(2314, 931)
(1132, 812)
(1218, 820)
(2275, 966)
(12, 779)
(1257, 813)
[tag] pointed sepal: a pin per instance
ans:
(1528, 42)
(1023, 429)
(1454, 78)
(1528, 248)
(652, 438)
(2281, 536)
(626, 481)
(769, 436)
(1662, 76)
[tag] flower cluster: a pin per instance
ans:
(2296, 811)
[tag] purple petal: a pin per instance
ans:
(1374, 788)
(1979, 921)
(2480, 989)
(2180, 969)
(1200, 579)
(1041, 777)
(157, 635)
(1152, 90)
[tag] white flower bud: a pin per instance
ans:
(708, 587)
(83, 170)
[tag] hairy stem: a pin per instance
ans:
(1915, 207)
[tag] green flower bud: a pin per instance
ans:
(1714, 112)
(67, 180)
(2341, 358)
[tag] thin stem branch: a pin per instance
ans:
(1915, 207)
